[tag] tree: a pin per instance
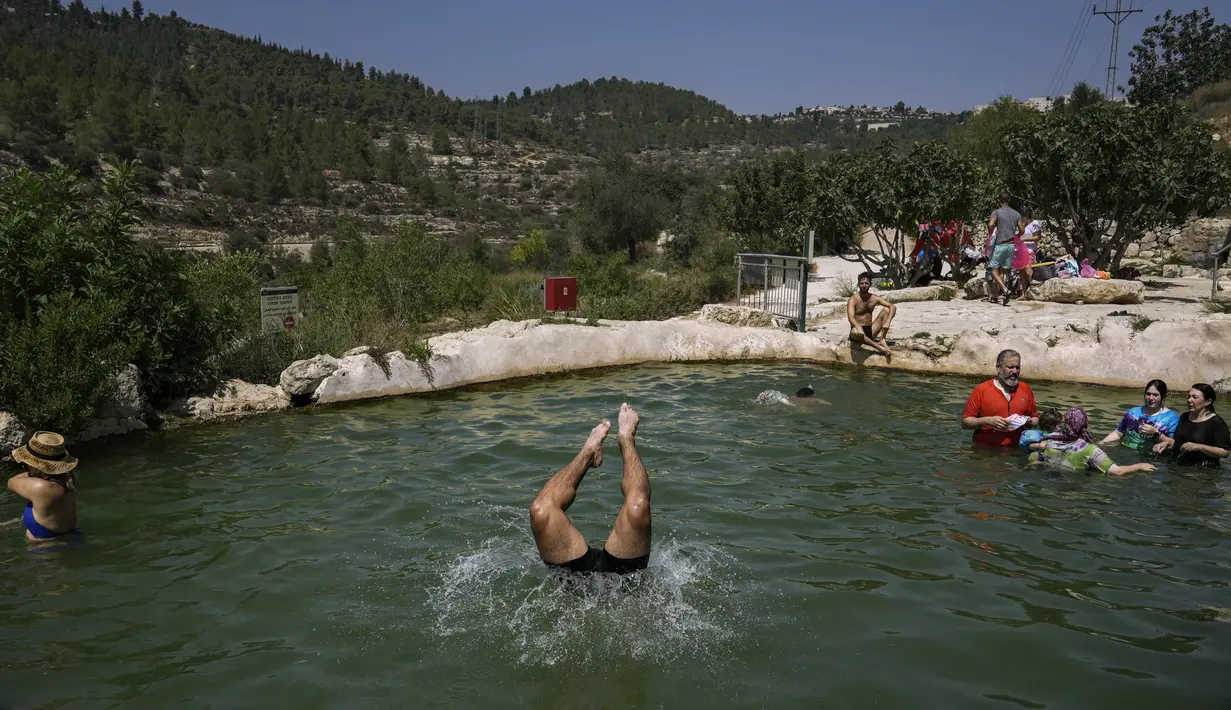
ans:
(980, 136)
(900, 108)
(892, 195)
(771, 204)
(1105, 175)
(440, 141)
(621, 204)
(138, 10)
(1177, 54)
(531, 250)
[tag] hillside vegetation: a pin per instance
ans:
(77, 84)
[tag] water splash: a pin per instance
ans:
(686, 603)
(773, 397)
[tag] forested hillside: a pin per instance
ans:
(75, 84)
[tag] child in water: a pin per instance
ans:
(1049, 422)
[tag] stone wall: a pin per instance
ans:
(1176, 253)
(1106, 351)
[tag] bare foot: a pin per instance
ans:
(594, 445)
(628, 422)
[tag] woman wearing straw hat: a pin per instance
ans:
(48, 484)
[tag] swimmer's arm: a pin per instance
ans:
(1112, 438)
(850, 311)
(32, 489)
(21, 485)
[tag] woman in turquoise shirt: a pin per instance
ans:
(1140, 427)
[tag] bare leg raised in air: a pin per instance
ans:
(560, 544)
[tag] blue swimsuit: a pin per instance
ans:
(38, 530)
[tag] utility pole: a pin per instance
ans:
(1116, 16)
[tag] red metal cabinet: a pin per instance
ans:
(560, 293)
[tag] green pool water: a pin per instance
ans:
(860, 555)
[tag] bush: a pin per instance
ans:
(229, 185)
(373, 293)
(72, 276)
(56, 369)
(245, 240)
(531, 251)
(608, 288)
(555, 164)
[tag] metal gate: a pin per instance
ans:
(775, 284)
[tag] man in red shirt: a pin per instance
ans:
(993, 402)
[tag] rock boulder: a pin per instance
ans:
(233, 399)
(12, 433)
(1117, 291)
(741, 316)
(975, 289)
(125, 410)
(303, 376)
(934, 292)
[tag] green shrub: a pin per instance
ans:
(375, 293)
(531, 250)
(608, 288)
(56, 369)
(69, 263)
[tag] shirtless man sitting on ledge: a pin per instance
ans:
(866, 329)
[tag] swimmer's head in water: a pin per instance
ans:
(805, 391)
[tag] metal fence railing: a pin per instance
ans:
(773, 283)
(1215, 256)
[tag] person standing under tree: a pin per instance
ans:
(1004, 222)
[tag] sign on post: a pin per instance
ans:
(279, 308)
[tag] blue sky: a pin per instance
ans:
(754, 57)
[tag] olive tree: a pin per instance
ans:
(769, 204)
(1105, 175)
(892, 194)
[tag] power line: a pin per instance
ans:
(1116, 16)
(1094, 64)
(1081, 38)
(1054, 84)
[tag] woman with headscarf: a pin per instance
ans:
(1073, 448)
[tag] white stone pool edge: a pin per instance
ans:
(1107, 351)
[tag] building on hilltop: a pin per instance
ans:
(1038, 103)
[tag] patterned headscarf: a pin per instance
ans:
(1075, 427)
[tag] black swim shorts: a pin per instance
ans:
(596, 560)
(867, 330)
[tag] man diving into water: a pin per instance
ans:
(628, 547)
